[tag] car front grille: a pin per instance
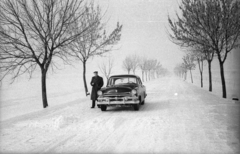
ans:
(117, 98)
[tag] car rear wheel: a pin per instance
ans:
(136, 107)
(103, 107)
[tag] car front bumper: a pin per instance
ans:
(123, 101)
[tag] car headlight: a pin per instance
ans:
(134, 92)
(99, 93)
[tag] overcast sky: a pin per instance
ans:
(144, 29)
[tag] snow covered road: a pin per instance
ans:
(177, 117)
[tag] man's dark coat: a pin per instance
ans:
(97, 83)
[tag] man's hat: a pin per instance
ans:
(95, 72)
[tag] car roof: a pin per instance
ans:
(125, 75)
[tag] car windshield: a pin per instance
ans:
(122, 80)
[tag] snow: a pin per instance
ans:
(194, 121)
(178, 117)
(23, 96)
(232, 75)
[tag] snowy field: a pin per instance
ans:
(178, 117)
(23, 96)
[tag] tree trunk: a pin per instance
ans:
(142, 76)
(44, 89)
(191, 75)
(84, 78)
(201, 79)
(210, 75)
(146, 75)
(149, 75)
(202, 73)
(224, 92)
(200, 66)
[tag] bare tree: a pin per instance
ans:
(148, 69)
(150, 66)
(213, 24)
(131, 63)
(204, 53)
(188, 61)
(134, 62)
(142, 65)
(200, 58)
(33, 33)
(227, 20)
(106, 67)
(201, 54)
(127, 64)
(94, 43)
(181, 71)
(157, 68)
(160, 70)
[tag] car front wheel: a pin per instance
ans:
(143, 102)
(103, 107)
(136, 107)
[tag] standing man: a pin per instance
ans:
(96, 83)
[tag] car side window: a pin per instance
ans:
(139, 81)
(110, 82)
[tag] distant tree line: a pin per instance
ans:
(150, 68)
(208, 29)
(38, 32)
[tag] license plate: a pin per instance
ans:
(116, 102)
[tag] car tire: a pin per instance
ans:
(103, 107)
(136, 107)
(143, 102)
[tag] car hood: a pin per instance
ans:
(118, 89)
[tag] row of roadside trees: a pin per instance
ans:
(187, 65)
(37, 33)
(150, 68)
(207, 29)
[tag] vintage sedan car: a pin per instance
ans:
(122, 90)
